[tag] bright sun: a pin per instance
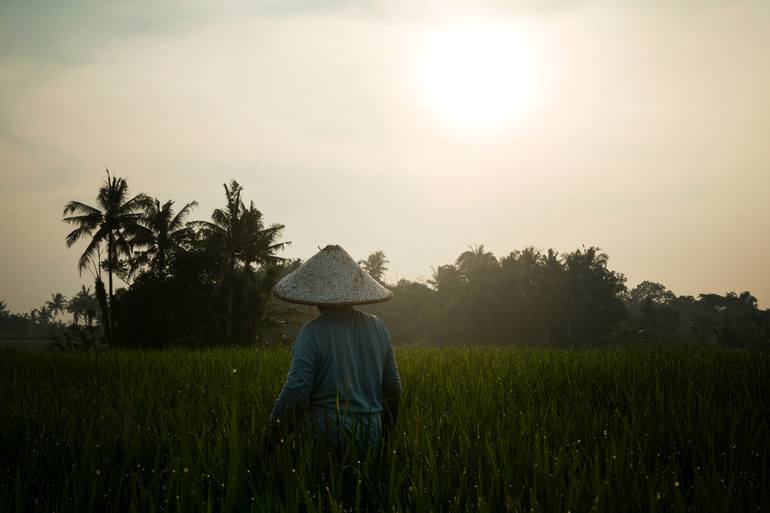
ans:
(479, 75)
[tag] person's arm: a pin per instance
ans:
(294, 398)
(391, 388)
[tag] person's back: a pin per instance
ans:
(342, 368)
(343, 373)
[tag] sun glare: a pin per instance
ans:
(479, 75)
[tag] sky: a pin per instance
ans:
(642, 128)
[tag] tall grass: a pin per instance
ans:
(480, 429)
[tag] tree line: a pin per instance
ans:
(573, 299)
(198, 283)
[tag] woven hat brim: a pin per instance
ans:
(332, 303)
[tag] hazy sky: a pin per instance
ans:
(646, 131)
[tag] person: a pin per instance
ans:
(343, 382)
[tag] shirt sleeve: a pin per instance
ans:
(391, 381)
(300, 379)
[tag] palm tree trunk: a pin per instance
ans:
(101, 297)
(161, 258)
(110, 256)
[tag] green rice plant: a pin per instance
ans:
(480, 429)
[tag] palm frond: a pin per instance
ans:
(77, 207)
(277, 246)
(206, 226)
(138, 202)
(123, 247)
(221, 218)
(181, 235)
(141, 235)
(274, 229)
(92, 249)
(77, 234)
(178, 220)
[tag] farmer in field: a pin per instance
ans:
(343, 382)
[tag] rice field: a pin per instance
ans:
(480, 429)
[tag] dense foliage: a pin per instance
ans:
(190, 282)
(492, 429)
(572, 299)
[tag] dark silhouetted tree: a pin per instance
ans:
(478, 268)
(375, 264)
(113, 222)
(42, 315)
(57, 304)
(594, 295)
(83, 305)
(237, 235)
(161, 232)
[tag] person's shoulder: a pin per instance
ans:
(312, 322)
(309, 329)
(366, 315)
(322, 324)
(369, 317)
(374, 321)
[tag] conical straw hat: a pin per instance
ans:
(331, 277)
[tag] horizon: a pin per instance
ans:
(639, 130)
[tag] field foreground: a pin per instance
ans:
(481, 429)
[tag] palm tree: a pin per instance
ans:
(446, 278)
(91, 306)
(259, 242)
(56, 304)
(474, 262)
(161, 232)
(589, 282)
(114, 222)
(375, 264)
(82, 305)
(530, 258)
(74, 306)
(475, 265)
(238, 235)
(3, 309)
(550, 277)
(42, 314)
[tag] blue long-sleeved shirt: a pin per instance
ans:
(342, 364)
